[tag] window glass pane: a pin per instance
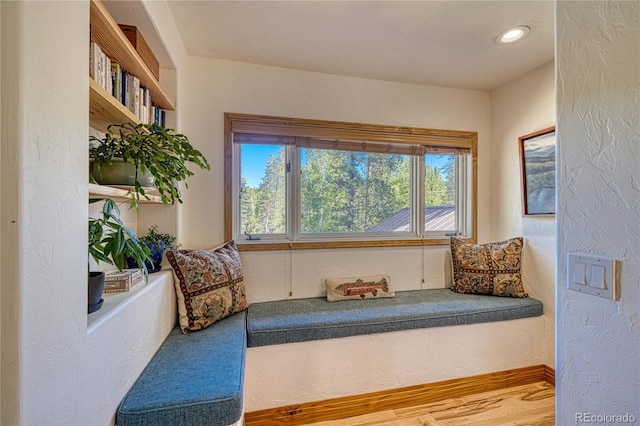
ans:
(263, 189)
(344, 191)
(439, 193)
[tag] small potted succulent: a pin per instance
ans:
(157, 243)
(154, 155)
(111, 241)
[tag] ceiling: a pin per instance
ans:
(440, 43)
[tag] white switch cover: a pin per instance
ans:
(594, 275)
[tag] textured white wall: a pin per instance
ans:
(520, 107)
(47, 133)
(1, 215)
(273, 275)
(9, 205)
(55, 368)
(598, 68)
(218, 86)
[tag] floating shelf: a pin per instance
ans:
(112, 41)
(121, 193)
(104, 109)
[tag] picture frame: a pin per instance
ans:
(538, 170)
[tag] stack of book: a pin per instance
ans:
(123, 86)
(125, 280)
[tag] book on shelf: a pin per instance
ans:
(157, 116)
(128, 100)
(136, 96)
(123, 86)
(106, 82)
(100, 67)
(96, 63)
(126, 280)
(116, 81)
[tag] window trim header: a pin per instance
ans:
(323, 129)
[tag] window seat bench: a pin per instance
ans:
(300, 320)
(198, 378)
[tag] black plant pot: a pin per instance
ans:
(96, 286)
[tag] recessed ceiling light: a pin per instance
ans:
(513, 34)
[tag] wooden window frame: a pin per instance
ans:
(430, 140)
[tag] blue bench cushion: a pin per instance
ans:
(287, 321)
(193, 379)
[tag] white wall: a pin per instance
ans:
(598, 67)
(218, 86)
(55, 368)
(9, 206)
(518, 108)
(1, 220)
(47, 133)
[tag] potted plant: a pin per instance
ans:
(157, 243)
(111, 241)
(150, 148)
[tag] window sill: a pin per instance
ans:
(309, 245)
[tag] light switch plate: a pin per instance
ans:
(594, 275)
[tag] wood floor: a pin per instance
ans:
(532, 404)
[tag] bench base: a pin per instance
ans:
(294, 373)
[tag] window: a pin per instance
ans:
(351, 192)
(294, 183)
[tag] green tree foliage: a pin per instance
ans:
(271, 196)
(435, 190)
(345, 191)
(341, 191)
(440, 182)
(450, 179)
(263, 208)
(249, 206)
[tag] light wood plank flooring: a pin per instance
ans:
(532, 404)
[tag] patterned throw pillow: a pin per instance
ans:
(492, 268)
(209, 285)
(369, 287)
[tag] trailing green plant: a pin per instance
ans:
(111, 241)
(150, 147)
(167, 241)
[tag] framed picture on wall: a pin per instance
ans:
(538, 165)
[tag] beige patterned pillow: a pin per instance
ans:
(209, 285)
(367, 287)
(492, 268)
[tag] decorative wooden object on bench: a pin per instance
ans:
(194, 379)
(287, 321)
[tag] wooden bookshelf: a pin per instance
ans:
(104, 109)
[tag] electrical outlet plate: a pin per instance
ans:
(594, 275)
